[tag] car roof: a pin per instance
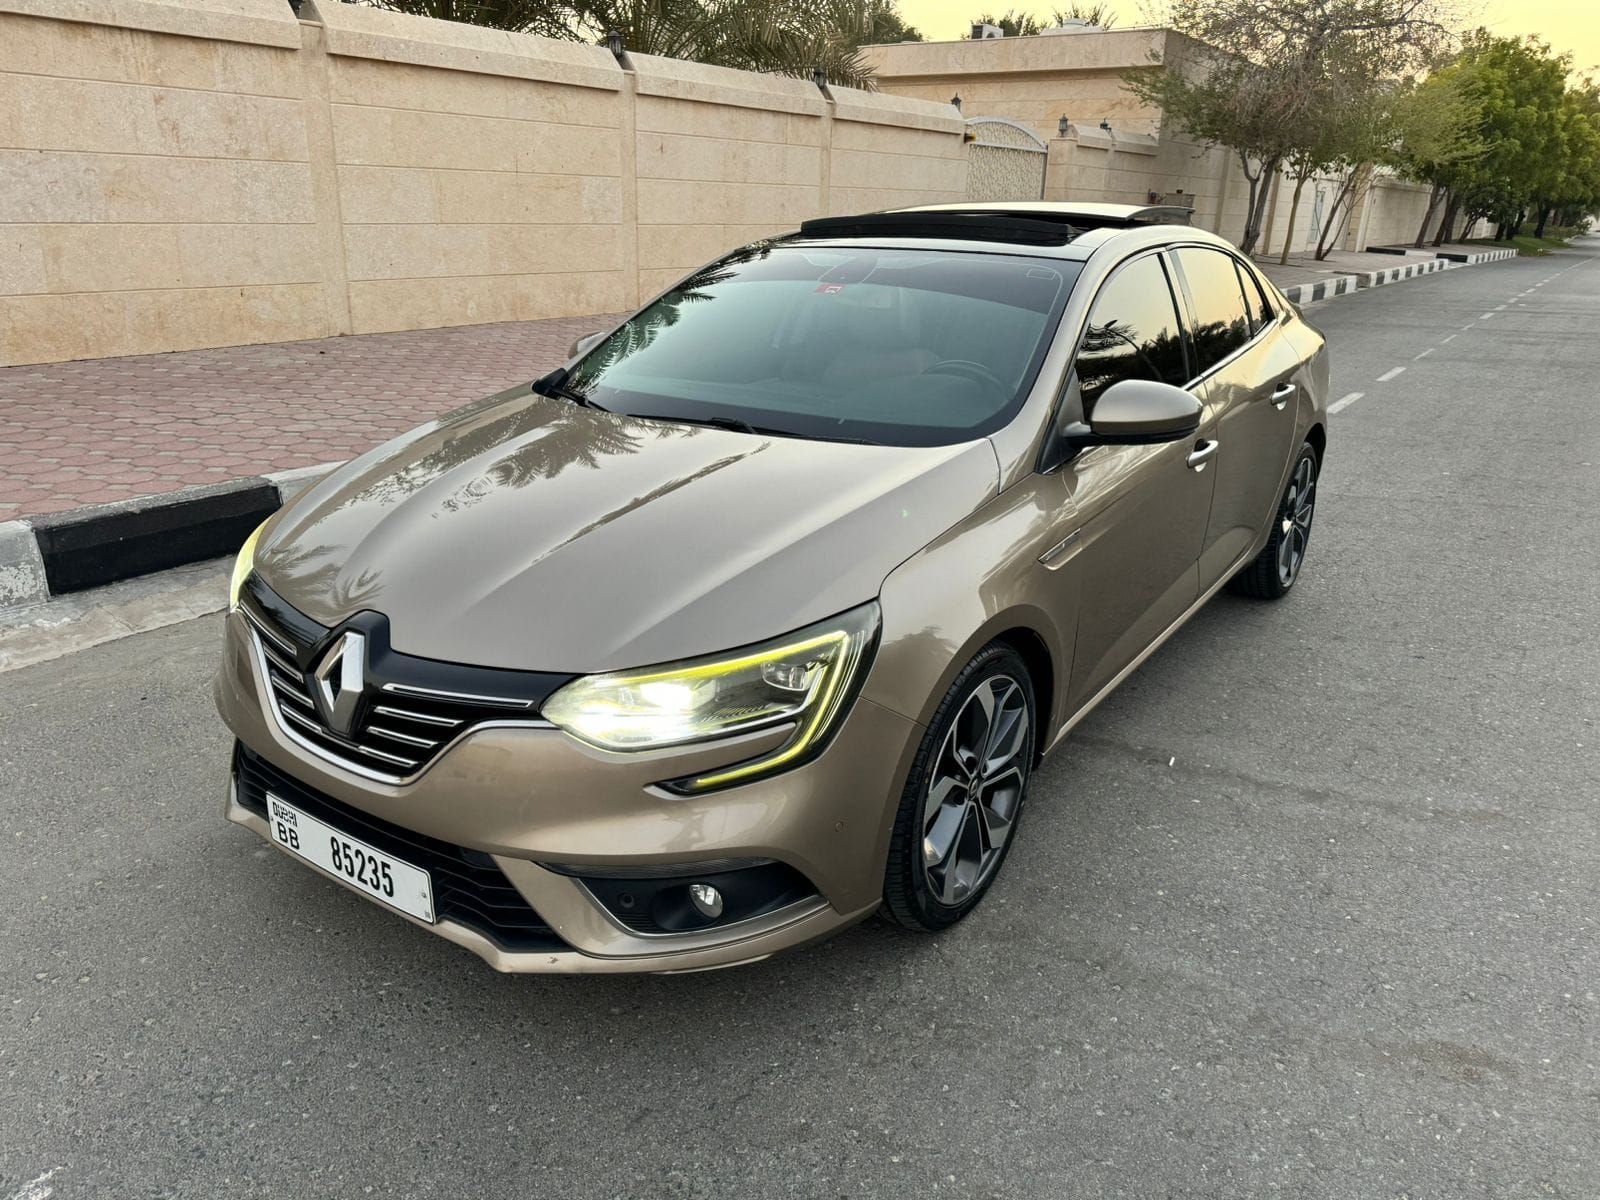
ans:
(1051, 229)
(1088, 211)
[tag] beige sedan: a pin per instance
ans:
(756, 618)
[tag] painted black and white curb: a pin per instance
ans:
(1322, 289)
(82, 548)
(1422, 266)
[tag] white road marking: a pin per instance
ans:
(37, 1189)
(1485, 316)
(1344, 402)
(1499, 308)
(1451, 338)
(1388, 375)
(1424, 354)
(1464, 328)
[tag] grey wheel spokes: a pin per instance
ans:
(976, 789)
(1299, 506)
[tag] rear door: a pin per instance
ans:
(1138, 512)
(1245, 375)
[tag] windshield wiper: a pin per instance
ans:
(555, 385)
(741, 426)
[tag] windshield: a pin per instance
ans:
(901, 347)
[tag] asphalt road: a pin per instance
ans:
(1307, 909)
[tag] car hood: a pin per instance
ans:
(531, 533)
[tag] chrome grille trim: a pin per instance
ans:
(266, 631)
(405, 739)
(404, 714)
(306, 722)
(294, 693)
(281, 696)
(406, 689)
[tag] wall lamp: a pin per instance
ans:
(614, 43)
(956, 100)
(1063, 126)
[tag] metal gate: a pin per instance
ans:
(1005, 160)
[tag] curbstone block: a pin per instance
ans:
(103, 543)
(292, 482)
(58, 553)
(1409, 270)
(1321, 289)
(22, 577)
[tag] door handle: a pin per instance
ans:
(1281, 394)
(1201, 454)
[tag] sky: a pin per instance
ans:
(1568, 25)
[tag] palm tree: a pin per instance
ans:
(785, 37)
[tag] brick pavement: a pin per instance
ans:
(107, 429)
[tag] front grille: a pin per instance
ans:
(468, 888)
(410, 708)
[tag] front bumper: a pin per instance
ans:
(526, 796)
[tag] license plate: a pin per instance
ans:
(382, 876)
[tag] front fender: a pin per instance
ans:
(978, 582)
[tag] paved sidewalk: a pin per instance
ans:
(108, 429)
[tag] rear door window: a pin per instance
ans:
(1222, 320)
(1132, 333)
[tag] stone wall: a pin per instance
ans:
(186, 173)
(1038, 80)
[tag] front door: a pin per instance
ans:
(1140, 511)
(1247, 371)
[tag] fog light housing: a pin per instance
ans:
(706, 900)
(687, 897)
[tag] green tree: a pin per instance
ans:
(1257, 78)
(787, 37)
(1013, 22)
(1520, 90)
(1100, 15)
(1436, 139)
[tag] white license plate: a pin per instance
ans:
(383, 877)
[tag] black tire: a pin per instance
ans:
(911, 897)
(1271, 574)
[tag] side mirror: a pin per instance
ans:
(1137, 412)
(585, 344)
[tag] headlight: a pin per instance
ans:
(802, 680)
(243, 565)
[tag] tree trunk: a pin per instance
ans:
(1294, 207)
(1269, 172)
(1427, 218)
(1336, 215)
(1258, 185)
(1544, 218)
(1447, 223)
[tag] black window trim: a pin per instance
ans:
(1187, 308)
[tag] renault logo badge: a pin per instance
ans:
(338, 681)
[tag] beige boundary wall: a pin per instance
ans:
(1037, 80)
(185, 173)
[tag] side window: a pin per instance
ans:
(1132, 333)
(1256, 297)
(1222, 321)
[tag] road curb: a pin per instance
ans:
(55, 554)
(1424, 266)
(1321, 289)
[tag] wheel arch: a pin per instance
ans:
(1317, 435)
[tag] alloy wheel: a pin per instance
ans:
(976, 789)
(1299, 506)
